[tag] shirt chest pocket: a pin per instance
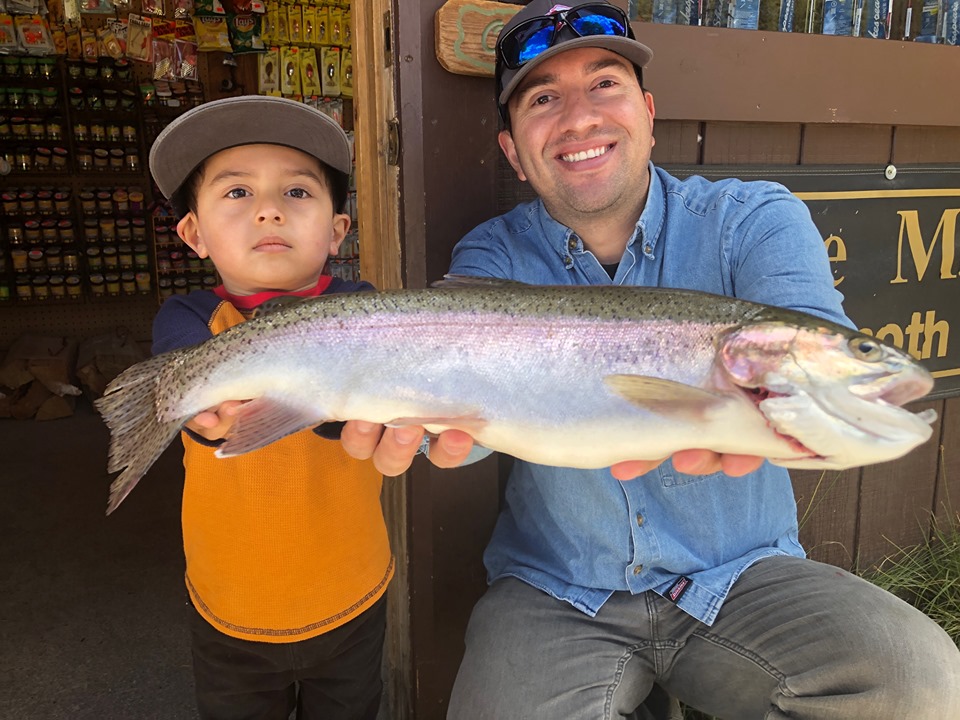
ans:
(669, 477)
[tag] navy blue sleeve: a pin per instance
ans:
(183, 320)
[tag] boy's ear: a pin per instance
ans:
(189, 231)
(339, 230)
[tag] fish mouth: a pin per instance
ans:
(868, 407)
(898, 389)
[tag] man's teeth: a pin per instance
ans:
(584, 154)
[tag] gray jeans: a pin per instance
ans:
(795, 639)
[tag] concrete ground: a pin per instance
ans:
(92, 608)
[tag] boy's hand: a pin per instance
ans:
(215, 423)
(393, 449)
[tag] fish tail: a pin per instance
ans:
(137, 438)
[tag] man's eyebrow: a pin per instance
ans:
(538, 81)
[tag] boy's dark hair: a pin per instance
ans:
(337, 183)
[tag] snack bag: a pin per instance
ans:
(212, 34)
(245, 33)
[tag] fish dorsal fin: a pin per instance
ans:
(468, 281)
(659, 395)
(263, 421)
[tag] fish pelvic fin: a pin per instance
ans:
(663, 397)
(265, 420)
(137, 437)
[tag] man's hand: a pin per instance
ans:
(393, 449)
(215, 423)
(692, 462)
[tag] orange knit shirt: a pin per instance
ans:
(286, 542)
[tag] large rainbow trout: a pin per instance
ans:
(569, 376)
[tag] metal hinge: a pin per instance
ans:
(387, 39)
(393, 142)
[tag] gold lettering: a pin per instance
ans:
(938, 328)
(924, 327)
(910, 222)
(840, 255)
(913, 332)
(892, 333)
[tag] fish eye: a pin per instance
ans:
(866, 349)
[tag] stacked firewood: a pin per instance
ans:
(41, 376)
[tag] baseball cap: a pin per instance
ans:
(244, 120)
(623, 42)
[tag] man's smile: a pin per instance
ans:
(588, 154)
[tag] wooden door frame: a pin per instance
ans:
(378, 215)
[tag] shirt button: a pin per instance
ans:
(568, 261)
(572, 244)
(639, 520)
(638, 569)
(648, 249)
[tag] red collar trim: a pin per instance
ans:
(249, 302)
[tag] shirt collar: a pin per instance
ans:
(565, 241)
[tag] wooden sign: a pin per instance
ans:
(466, 32)
(891, 235)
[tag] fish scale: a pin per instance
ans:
(571, 376)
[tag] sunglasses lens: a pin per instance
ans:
(527, 41)
(598, 20)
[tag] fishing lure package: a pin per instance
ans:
(951, 22)
(838, 17)
(874, 18)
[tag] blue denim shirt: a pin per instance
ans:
(580, 535)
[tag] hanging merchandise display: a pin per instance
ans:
(84, 88)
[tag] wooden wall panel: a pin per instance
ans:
(947, 500)
(896, 498)
(677, 142)
(926, 145)
(751, 143)
(827, 505)
(847, 144)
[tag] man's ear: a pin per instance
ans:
(189, 231)
(510, 152)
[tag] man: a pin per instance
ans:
(686, 577)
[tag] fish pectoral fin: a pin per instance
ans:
(468, 423)
(263, 421)
(664, 397)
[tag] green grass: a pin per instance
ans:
(926, 575)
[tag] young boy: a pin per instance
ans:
(286, 548)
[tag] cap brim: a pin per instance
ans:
(249, 119)
(636, 52)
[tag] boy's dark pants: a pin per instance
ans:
(338, 672)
